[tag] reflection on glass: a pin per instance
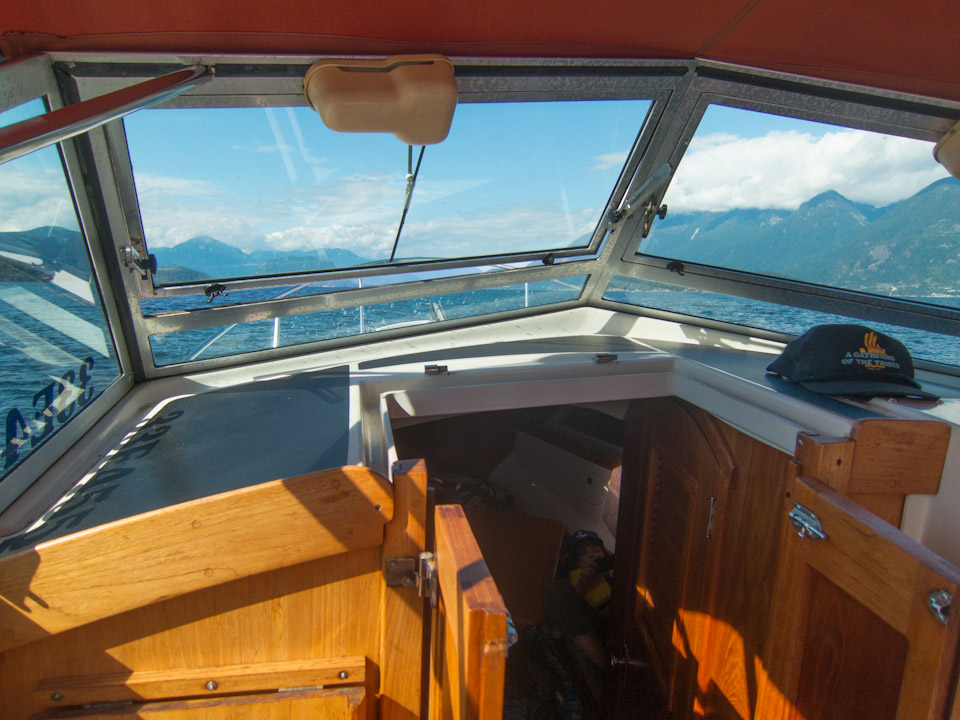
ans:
(773, 316)
(259, 191)
(813, 202)
(57, 354)
(282, 332)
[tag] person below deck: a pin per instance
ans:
(576, 606)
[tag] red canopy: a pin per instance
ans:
(891, 44)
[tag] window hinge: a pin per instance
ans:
(419, 572)
(135, 257)
(643, 199)
(713, 507)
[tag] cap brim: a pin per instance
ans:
(862, 388)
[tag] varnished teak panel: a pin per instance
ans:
(474, 621)
(683, 476)
(874, 576)
(402, 609)
(138, 561)
(898, 456)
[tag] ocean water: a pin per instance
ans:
(791, 320)
(56, 356)
(331, 324)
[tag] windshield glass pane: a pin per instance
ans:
(814, 202)
(312, 327)
(258, 191)
(57, 352)
(772, 316)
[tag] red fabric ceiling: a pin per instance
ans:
(883, 43)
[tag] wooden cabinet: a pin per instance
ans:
(306, 627)
(853, 633)
(753, 621)
(676, 512)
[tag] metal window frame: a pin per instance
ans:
(829, 102)
(680, 91)
(23, 81)
(477, 82)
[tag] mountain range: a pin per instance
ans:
(909, 248)
(208, 257)
(58, 248)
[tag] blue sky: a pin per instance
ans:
(529, 175)
(516, 176)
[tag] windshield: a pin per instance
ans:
(228, 193)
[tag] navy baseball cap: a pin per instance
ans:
(850, 360)
(580, 536)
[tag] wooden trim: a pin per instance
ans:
(829, 459)
(192, 682)
(402, 609)
(348, 703)
(140, 560)
(888, 508)
(475, 614)
(901, 457)
(886, 461)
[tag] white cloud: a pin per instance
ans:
(784, 169)
(370, 240)
(608, 161)
(357, 213)
(151, 186)
(262, 148)
(522, 227)
(31, 196)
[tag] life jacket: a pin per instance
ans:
(599, 593)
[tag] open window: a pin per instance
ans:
(58, 352)
(781, 223)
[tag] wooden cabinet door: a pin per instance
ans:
(665, 566)
(469, 627)
(851, 634)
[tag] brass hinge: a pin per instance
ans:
(415, 572)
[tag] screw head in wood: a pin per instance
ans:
(344, 675)
(57, 697)
(211, 685)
